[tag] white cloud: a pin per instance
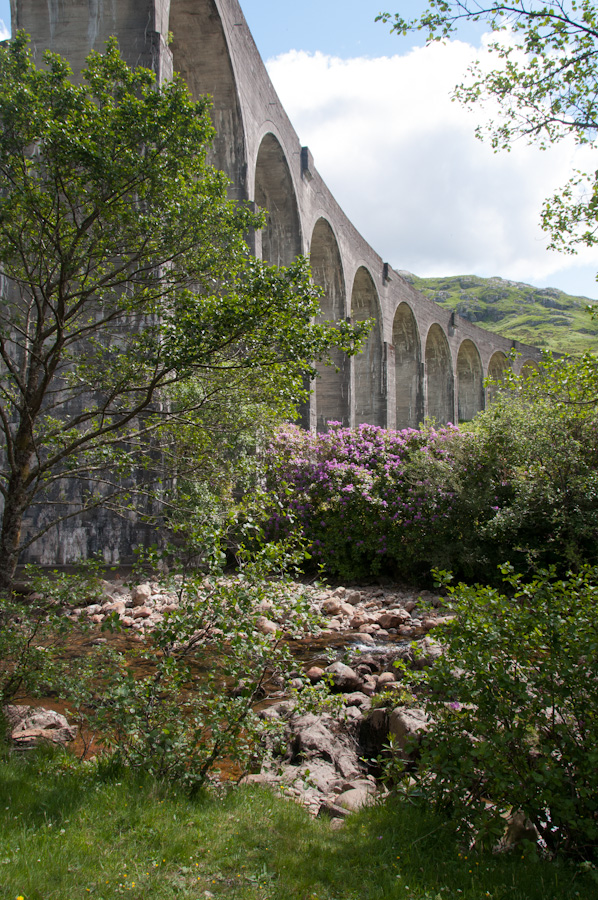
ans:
(4, 31)
(403, 161)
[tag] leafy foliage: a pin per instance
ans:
(368, 500)
(132, 309)
(514, 710)
(520, 484)
(545, 82)
(178, 704)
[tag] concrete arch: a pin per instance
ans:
(200, 53)
(408, 369)
(470, 381)
(496, 368)
(274, 192)
(440, 386)
(529, 367)
(368, 375)
(332, 385)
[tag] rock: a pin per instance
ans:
(355, 799)
(141, 594)
(346, 609)
(33, 726)
(353, 597)
(15, 714)
(266, 626)
(369, 685)
(320, 737)
(429, 651)
(260, 778)
(408, 725)
(141, 612)
(385, 679)
(366, 639)
(519, 828)
(393, 618)
(358, 699)
(93, 609)
(116, 606)
(371, 661)
(315, 674)
(329, 807)
(317, 773)
(332, 606)
(343, 678)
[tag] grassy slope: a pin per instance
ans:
(67, 835)
(543, 317)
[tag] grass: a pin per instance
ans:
(67, 834)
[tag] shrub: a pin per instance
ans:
(368, 500)
(514, 706)
(175, 705)
(542, 455)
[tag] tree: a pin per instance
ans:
(546, 83)
(132, 311)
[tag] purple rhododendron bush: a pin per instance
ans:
(520, 484)
(369, 500)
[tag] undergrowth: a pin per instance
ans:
(67, 832)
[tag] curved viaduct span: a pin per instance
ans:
(420, 359)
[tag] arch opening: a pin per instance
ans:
(496, 368)
(470, 382)
(440, 390)
(274, 192)
(368, 364)
(200, 54)
(332, 385)
(408, 375)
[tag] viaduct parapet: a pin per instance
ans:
(420, 359)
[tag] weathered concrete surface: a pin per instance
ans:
(420, 359)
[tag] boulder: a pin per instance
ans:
(429, 651)
(355, 798)
(343, 678)
(332, 606)
(407, 725)
(30, 726)
(266, 626)
(318, 737)
(141, 594)
(393, 618)
(315, 674)
(141, 612)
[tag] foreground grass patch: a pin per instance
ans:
(65, 835)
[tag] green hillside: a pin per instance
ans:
(543, 317)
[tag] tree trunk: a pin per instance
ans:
(15, 504)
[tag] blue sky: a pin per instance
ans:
(399, 156)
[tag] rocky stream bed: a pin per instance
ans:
(323, 759)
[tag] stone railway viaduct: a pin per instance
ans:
(420, 359)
